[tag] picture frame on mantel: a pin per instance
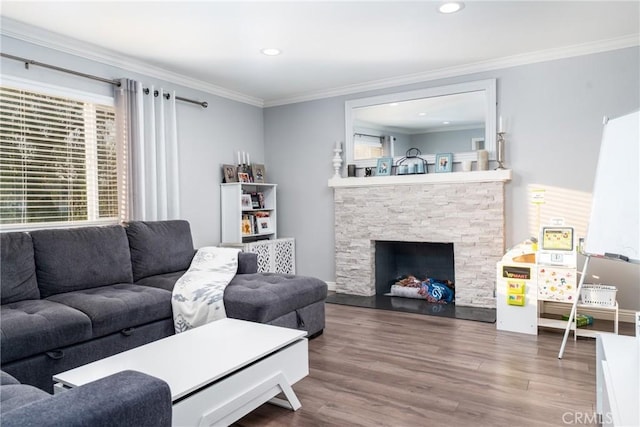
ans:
(384, 166)
(444, 162)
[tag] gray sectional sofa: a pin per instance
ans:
(141, 400)
(73, 296)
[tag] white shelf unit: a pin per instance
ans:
(231, 211)
(581, 308)
(542, 296)
(558, 285)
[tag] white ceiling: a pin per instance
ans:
(329, 47)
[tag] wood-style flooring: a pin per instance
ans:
(383, 368)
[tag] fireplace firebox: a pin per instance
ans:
(395, 260)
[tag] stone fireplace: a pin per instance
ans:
(465, 209)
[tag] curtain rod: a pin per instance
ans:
(28, 62)
(203, 104)
(371, 136)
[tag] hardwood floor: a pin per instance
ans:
(383, 368)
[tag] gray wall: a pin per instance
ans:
(554, 111)
(207, 137)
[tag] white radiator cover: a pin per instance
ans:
(274, 256)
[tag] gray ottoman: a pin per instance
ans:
(284, 300)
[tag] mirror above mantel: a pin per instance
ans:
(458, 119)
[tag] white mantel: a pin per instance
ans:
(463, 208)
(503, 175)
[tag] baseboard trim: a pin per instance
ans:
(626, 316)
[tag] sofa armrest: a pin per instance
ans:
(247, 263)
(128, 398)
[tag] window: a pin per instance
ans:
(367, 150)
(58, 159)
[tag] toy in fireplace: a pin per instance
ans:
(433, 290)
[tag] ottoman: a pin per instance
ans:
(286, 300)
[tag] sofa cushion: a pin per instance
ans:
(14, 396)
(36, 326)
(159, 247)
(262, 297)
(6, 379)
(117, 307)
(81, 258)
(247, 263)
(18, 269)
(163, 281)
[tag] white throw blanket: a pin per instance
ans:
(197, 295)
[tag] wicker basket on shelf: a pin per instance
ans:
(598, 295)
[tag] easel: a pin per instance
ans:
(613, 226)
(574, 306)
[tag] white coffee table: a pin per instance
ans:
(217, 373)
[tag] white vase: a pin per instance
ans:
(483, 160)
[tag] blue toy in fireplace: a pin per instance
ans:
(437, 291)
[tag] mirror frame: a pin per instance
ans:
(489, 86)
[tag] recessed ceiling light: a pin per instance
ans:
(271, 51)
(445, 123)
(422, 114)
(393, 104)
(451, 7)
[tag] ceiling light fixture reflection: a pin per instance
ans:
(271, 51)
(451, 7)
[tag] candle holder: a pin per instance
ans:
(500, 150)
(337, 161)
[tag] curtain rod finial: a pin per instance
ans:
(205, 104)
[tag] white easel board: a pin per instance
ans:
(614, 226)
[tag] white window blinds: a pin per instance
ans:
(58, 161)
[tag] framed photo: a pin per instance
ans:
(255, 201)
(264, 225)
(230, 173)
(384, 166)
(246, 202)
(246, 226)
(243, 177)
(258, 172)
(444, 162)
(477, 144)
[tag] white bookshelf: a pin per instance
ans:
(232, 211)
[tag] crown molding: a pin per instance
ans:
(477, 67)
(48, 39)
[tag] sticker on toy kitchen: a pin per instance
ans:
(511, 272)
(556, 284)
